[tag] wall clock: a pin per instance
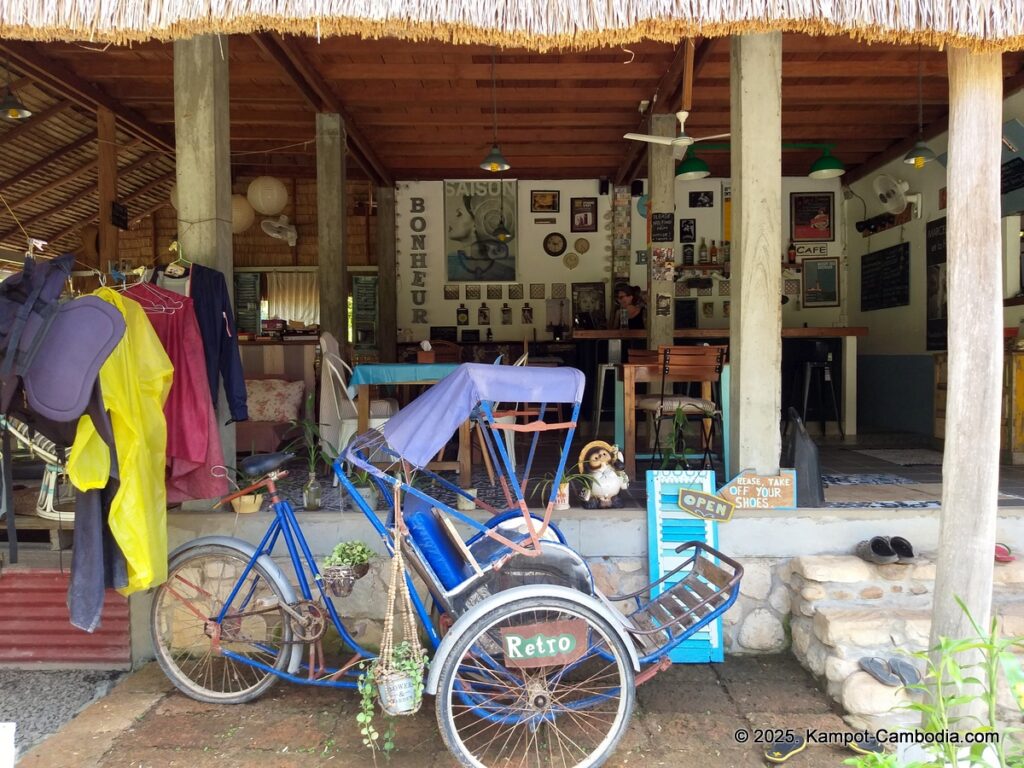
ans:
(554, 244)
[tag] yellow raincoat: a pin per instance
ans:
(134, 381)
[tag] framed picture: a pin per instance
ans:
(583, 214)
(588, 303)
(702, 199)
(821, 282)
(451, 291)
(470, 336)
(493, 291)
(473, 210)
(811, 216)
(472, 292)
(544, 201)
(444, 333)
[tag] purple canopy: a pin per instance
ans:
(421, 429)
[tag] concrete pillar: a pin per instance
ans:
(203, 169)
(387, 273)
(967, 529)
(331, 225)
(661, 187)
(755, 325)
(106, 133)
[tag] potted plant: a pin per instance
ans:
(360, 478)
(314, 449)
(397, 685)
(543, 487)
(243, 505)
(348, 562)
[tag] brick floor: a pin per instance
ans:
(688, 715)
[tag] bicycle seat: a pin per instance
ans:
(262, 463)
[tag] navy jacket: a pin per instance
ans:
(209, 293)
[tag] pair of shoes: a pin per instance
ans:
(867, 746)
(884, 550)
(894, 672)
(1003, 554)
(781, 751)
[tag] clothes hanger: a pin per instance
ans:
(180, 265)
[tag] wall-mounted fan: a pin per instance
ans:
(892, 194)
(680, 142)
(280, 229)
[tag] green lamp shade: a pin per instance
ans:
(495, 161)
(12, 109)
(692, 167)
(919, 155)
(826, 167)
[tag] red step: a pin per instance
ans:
(36, 629)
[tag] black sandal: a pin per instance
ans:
(781, 751)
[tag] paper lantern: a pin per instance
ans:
(242, 214)
(267, 195)
(174, 196)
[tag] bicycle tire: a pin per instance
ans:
(182, 626)
(501, 697)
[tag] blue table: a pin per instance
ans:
(366, 375)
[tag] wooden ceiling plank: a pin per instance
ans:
(59, 79)
(307, 78)
(50, 160)
(30, 126)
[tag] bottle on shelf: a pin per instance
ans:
(462, 315)
(791, 253)
(490, 335)
(702, 252)
(688, 255)
(726, 253)
(713, 252)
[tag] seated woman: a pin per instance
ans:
(631, 306)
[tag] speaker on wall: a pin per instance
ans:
(604, 186)
(636, 189)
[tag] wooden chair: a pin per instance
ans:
(702, 365)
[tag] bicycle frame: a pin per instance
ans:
(285, 527)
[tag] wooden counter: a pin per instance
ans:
(818, 332)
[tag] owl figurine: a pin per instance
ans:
(603, 466)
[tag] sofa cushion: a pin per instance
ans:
(274, 399)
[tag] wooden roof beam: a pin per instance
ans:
(320, 97)
(29, 126)
(665, 100)
(49, 160)
(58, 79)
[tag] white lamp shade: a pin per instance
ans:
(174, 196)
(242, 214)
(267, 195)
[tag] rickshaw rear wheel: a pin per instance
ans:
(492, 714)
(189, 642)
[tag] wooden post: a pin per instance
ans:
(662, 180)
(331, 226)
(969, 491)
(387, 276)
(755, 325)
(106, 134)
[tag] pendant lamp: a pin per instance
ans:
(501, 233)
(692, 167)
(495, 161)
(827, 166)
(920, 153)
(10, 107)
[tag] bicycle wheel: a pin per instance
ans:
(186, 634)
(571, 712)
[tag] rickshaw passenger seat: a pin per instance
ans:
(441, 554)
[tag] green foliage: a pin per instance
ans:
(956, 679)
(360, 477)
(542, 488)
(673, 447)
(875, 760)
(310, 444)
(349, 553)
(404, 660)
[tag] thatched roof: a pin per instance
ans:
(534, 24)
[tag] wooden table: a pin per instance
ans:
(367, 375)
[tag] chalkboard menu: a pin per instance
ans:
(935, 269)
(1012, 176)
(885, 278)
(661, 227)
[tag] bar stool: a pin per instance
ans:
(602, 372)
(819, 368)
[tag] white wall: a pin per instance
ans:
(901, 330)
(534, 265)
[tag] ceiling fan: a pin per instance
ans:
(683, 140)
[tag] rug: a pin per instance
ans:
(884, 504)
(865, 479)
(905, 457)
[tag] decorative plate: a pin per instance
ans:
(555, 244)
(571, 260)
(582, 245)
(641, 205)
